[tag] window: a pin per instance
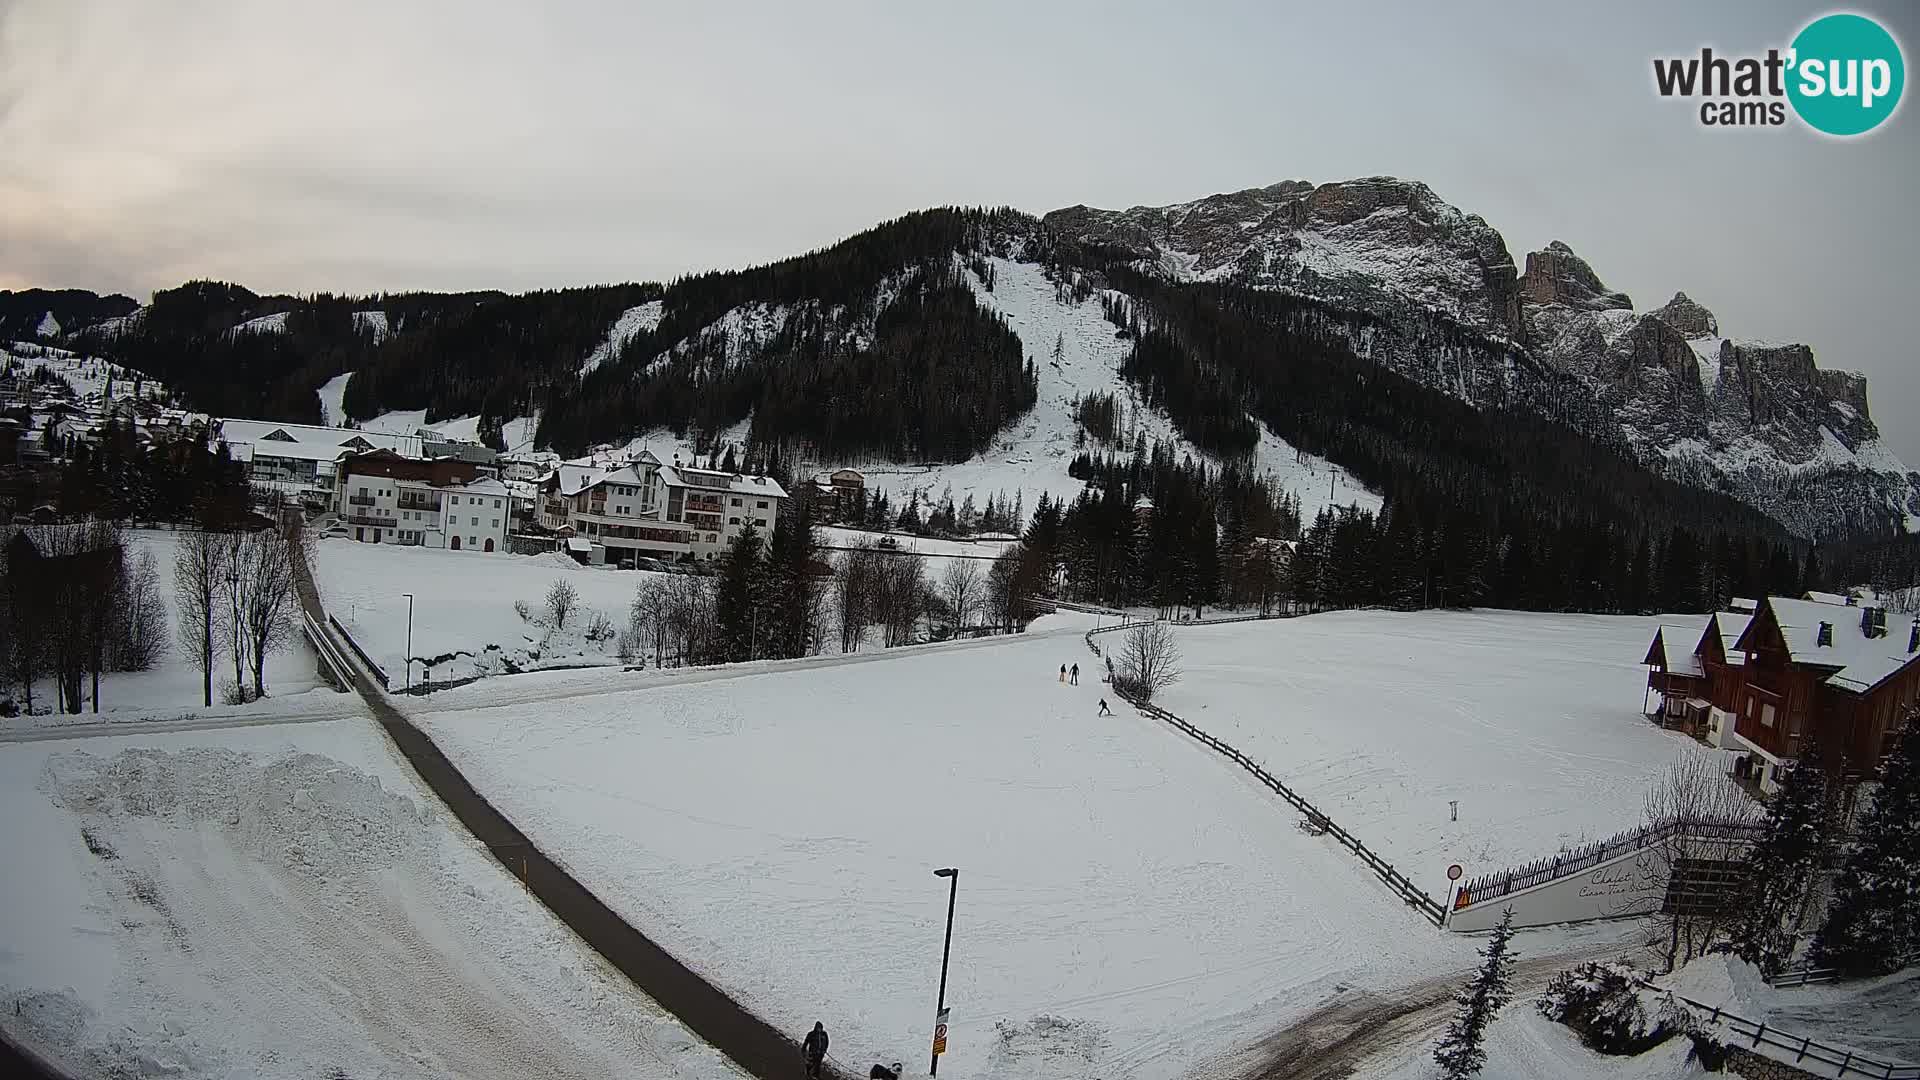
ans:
(736, 502)
(363, 491)
(734, 521)
(1766, 715)
(473, 521)
(496, 504)
(761, 522)
(761, 505)
(496, 523)
(471, 541)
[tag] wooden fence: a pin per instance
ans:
(1567, 863)
(1804, 1049)
(1813, 976)
(1429, 908)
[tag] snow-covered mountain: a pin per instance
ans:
(1757, 420)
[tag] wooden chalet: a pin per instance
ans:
(1765, 682)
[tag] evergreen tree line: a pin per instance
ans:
(193, 479)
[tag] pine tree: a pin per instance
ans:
(1784, 867)
(1873, 924)
(1461, 1051)
(734, 606)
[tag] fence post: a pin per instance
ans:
(1846, 1061)
(1757, 1032)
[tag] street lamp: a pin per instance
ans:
(409, 657)
(946, 951)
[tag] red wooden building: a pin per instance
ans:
(1843, 673)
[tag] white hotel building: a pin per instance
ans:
(646, 510)
(384, 498)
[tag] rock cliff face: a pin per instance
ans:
(1760, 421)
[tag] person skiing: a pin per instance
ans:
(1075, 680)
(1063, 673)
(1104, 711)
(1109, 669)
(882, 1072)
(814, 1050)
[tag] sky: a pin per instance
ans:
(375, 145)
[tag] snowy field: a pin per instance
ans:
(464, 623)
(1129, 904)
(172, 688)
(288, 902)
(1530, 721)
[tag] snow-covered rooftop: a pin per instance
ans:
(237, 430)
(1863, 662)
(1676, 644)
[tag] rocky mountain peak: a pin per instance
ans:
(1374, 241)
(1688, 317)
(1555, 275)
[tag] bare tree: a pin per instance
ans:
(1014, 574)
(141, 634)
(960, 587)
(1691, 865)
(562, 598)
(199, 568)
(76, 572)
(1149, 661)
(854, 584)
(901, 598)
(235, 586)
(267, 602)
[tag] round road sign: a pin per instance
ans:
(1453, 872)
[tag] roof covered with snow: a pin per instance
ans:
(686, 476)
(1862, 662)
(1675, 645)
(1732, 624)
(237, 431)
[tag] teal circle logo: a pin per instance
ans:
(1846, 75)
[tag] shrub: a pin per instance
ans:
(561, 600)
(599, 628)
(1602, 1003)
(521, 609)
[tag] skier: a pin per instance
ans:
(1076, 675)
(1104, 711)
(881, 1072)
(1063, 673)
(814, 1050)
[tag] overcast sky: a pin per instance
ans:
(370, 145)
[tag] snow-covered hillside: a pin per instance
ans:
(285, 902)
(1031, 456)
(517, 432)
(373, 322)
(331, 393)
(641, 319)
(88, 375)
(275, 323)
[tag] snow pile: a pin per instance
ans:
(307, 813)
(255, 902)
(633, 322)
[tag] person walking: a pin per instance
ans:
(814, 1050)
(1075, 680)
(1109, 669)
(1063, 673)
(1104, 711)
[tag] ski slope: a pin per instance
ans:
(1032, 454)
(286, 902)
(1532, 722)
(1128, 905)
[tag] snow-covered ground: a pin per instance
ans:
(464, 620)
(275, 323)
(288, 902)
(173, 688)
(1129, 904)
(1532, 722)
(642, 319)
(1523, 1045)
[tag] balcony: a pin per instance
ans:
(369, 519)
(360, 500)
(415, 504)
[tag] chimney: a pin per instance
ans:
(1873, 621)
(1825, 634)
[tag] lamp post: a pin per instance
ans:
(409, 657)
(946, 951)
